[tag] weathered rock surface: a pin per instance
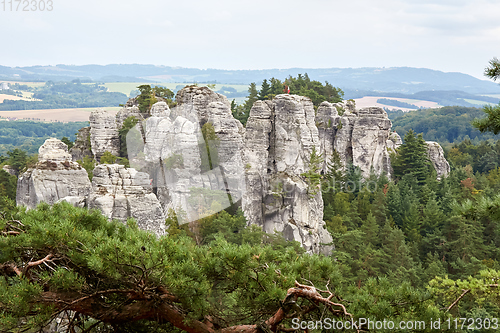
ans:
(280, 136)
(361, 137)
(128, 111)
(177, 158)
(81, 148)
(121, 193)
(54, 177)
(192, 103)
(103, 133)
(10, 170)
(436, 155)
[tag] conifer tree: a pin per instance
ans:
(379, 207)
(394, 205)
(371, 230)
(396, 259)
(313, 176)
(412, 158)
(253, 96)
(433, 217)
(265, 90)
(276, 87)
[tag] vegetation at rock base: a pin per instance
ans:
(108, 158)
(88, 163)
(18, 160)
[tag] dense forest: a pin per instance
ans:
(449, 124)
(30, 135)
(405, 249)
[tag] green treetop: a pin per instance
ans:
(412, 158)
(265, 89)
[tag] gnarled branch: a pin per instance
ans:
(165, 308)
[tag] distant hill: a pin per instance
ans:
(406, 80)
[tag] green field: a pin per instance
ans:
(479, 103)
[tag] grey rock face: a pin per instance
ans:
(436, 156)
(160, 109)
(361, 137)
(128, 111)
(369, 141)
(103, 133)
(192, 103)
(54, 177)
(81, 148)
(10, 170)
(121, 193)
(174, 151)
(280, 136)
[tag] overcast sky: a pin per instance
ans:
(447, 35)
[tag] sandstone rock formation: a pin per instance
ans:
(436, 155)
(176, 153)
(280, 136)
(103, 133)
(54, 177)
(10, 170)
(361, 137)
(128, 111)
(121, 193)
(192, 103)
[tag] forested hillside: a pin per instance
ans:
(30, 135)
(445, 125)
(61, 95)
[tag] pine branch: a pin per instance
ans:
(457, 300)
(147, 307)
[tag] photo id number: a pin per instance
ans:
(27, 5)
